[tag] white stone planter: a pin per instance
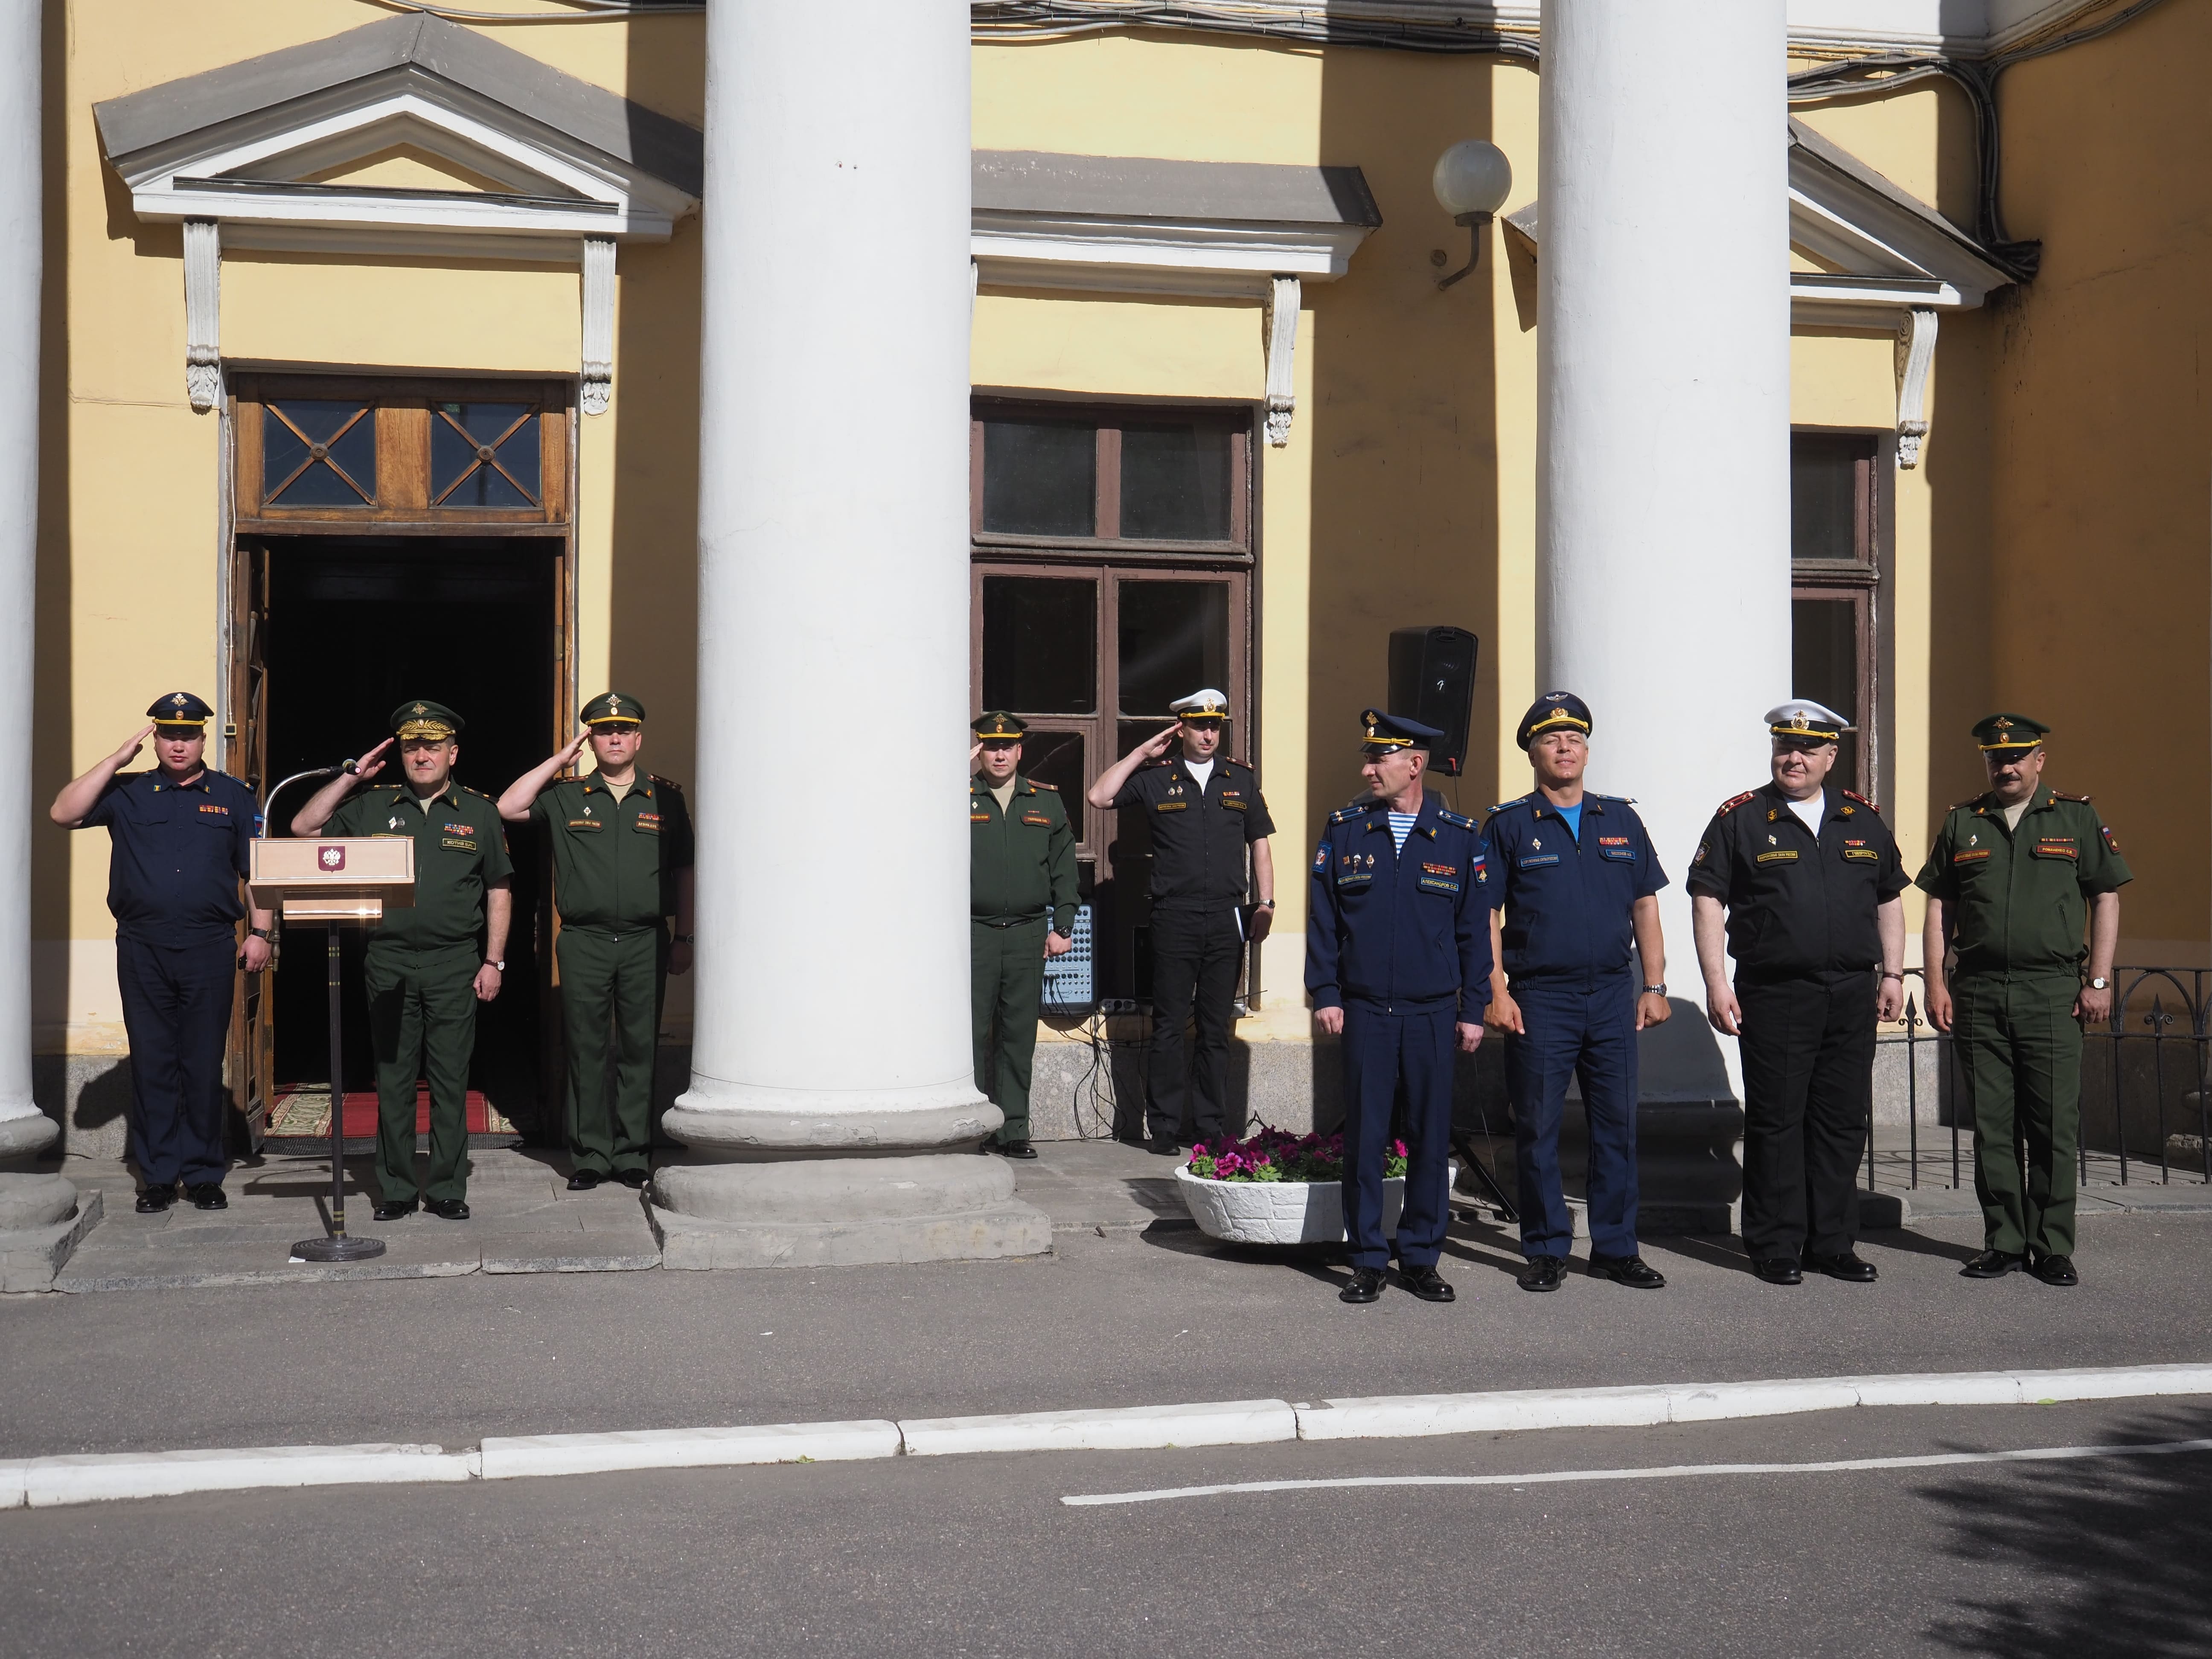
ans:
(1278, 1211)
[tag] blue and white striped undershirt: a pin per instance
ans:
(1401, 825)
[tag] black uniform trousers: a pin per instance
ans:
(1394, 1053)
(1196, 955)
(176, 1013)
(1808, 1049)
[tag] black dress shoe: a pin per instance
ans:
(1844, 1264)
(1013, 1149)
(1543, 1272)
(635, 1180)
(207, 1195)
(448, 1209)
(1629, 1270)
(154, 1199)
(1166, 1149)
(1366, 1285)
(1427, 1283)
(395, 1212)
(1992, 1264)
(1777, 1270)
(584, 1180)
(2055, 1270)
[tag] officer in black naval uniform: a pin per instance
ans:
(1809, 878)
(178, 835)
(1398, 964)
(1205, 812)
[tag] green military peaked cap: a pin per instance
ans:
(614, 708)
(424, 718)
(998, 723)
(2001, 732)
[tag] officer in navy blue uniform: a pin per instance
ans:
(1573, 879)
(179, 836)
(1398, 963)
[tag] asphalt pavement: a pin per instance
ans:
(978, 1555)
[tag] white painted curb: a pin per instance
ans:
(509, 1458)
(1215, 1423)
(90, 1479)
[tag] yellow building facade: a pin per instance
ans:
(1999, 476)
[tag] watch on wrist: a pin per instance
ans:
(679, 938)
(257, 933)
(2100, 985)
(1658, 990)
(1265, 904)
(1900, 978)
(500, 964)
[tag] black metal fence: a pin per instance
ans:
(2146, 1105)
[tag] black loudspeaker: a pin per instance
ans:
(1432, 681)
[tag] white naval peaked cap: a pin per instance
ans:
(1800, 717)
(1208, 701)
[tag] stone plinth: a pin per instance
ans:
(42, 1216)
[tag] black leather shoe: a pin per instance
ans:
(1427, 1283)
(1013, 1149)
(635, 1180)
(584, 1180)
(1629, 1270)
(1543, 1272)
(1366, 1285)
(154, 1199)
(1845, 1265)
(1777, 1270)
(2055, 1270)
(447, 1209)
(207, 1195)
(395, 1212)
(1992, 1264)
(1164, 1148)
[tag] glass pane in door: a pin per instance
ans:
(1041, 645)
(1173, 641)
(1825, 666)
(1174, 482)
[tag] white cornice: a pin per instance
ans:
(1157, 255)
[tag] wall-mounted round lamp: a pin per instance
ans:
(1470, 181)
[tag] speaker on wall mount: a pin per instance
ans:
(1432, 681)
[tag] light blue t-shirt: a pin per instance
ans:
(1573, 814)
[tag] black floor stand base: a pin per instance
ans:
(337, 1250)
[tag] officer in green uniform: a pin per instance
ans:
(430, 963)
(2012, 875)
(622, 866)
(1021, 903)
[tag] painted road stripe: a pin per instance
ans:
(1670, 1472)
(41, 1481)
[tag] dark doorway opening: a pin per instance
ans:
(356, 626)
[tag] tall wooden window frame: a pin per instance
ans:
(1855, 581)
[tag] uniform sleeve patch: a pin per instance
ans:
(2111, 840)
(1321, 858)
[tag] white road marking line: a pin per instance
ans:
(1669, 1472)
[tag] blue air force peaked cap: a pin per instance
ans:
(181, 710)
(1385, 733)
(1554, 711)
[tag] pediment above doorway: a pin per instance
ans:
(409, 137)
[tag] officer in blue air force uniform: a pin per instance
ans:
(1398, 963)
(1574, 879)
(180, 835)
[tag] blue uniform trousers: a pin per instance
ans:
(176, 1013)
(1394, 1053)
(1583, 1028)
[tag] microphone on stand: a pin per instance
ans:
(347, 767)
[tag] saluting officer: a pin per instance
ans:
(1809, 878)
(178, 838)
(1021, 908)
(2012, 873)
(1398, 963)
(1573, 881)
(431, 963)
(1205, 812)
(622, 866)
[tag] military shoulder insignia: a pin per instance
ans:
(1854, 795)
(2060, 794)
(1446, 815)
(1732, 802)
(1037, 784)
(1346, 814)
(1503, 804)
(1625, 801)
(1964, 805)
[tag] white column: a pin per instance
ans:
(1663, 403)
(832, 1001)
(23, 1127)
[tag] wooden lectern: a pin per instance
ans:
(330, 883)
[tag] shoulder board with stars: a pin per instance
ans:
(1965, 805)
(1503, 804)
(1853, 794)
(1345, 814)
(1625, 801)
(2060, 794)
(1445, 815)
(659, 783)
(1039, 783)
(1732, 802)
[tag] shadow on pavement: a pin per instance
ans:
(1906, 1240)
(2118, 1552)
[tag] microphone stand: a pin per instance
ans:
(337, 1246)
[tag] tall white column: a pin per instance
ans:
(832, 1010)
(23, 1127)
(1663, 413)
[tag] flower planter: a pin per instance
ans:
(1278, 1211)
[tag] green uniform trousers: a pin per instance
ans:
(611, 985)
(2019, 1054)
(1007, 975)
(423, 1024)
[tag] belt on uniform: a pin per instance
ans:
(1018, 921)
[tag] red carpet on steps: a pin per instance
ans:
(361, 1112)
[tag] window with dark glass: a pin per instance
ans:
(1835, 578)
(319, 452)
(484, 455)
(1159, 479)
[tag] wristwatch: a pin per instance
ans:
(1265, 904)
(679, 938)
(2100, 985)
(1658, 990)
(500, 965)
(257, 933)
